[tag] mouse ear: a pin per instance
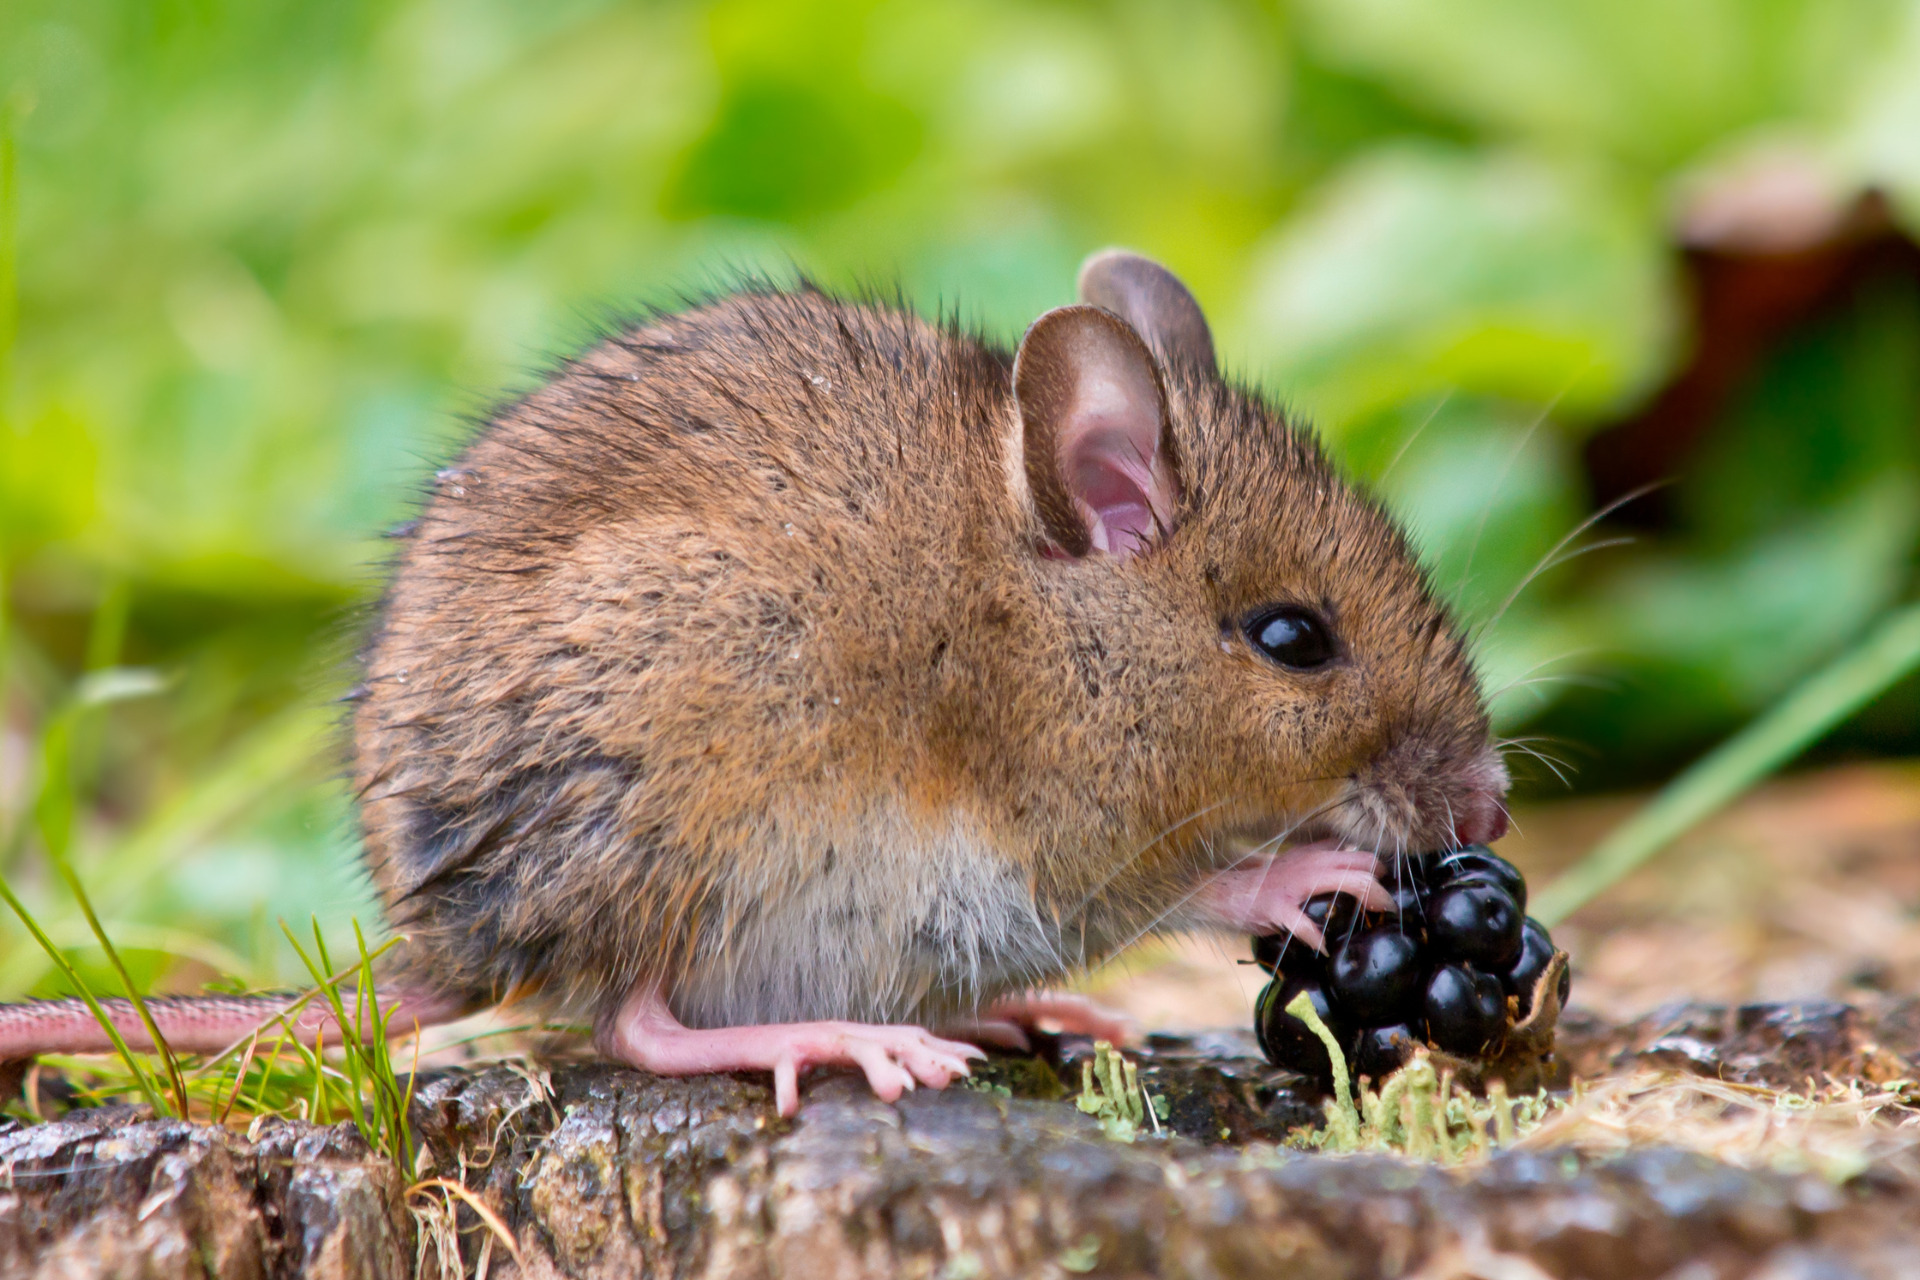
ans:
(1093, 433)
(1151, 299)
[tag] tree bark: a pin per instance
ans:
(601, 1171)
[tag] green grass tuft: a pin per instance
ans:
(373, 1094)
(267, 1073)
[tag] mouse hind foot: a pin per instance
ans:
(1006, 1022)
(644, 1033)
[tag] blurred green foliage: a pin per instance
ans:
(262, 263)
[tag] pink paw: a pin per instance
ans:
(1265, 893)
(645, 1034)
(895, 1059)
(1006, 1022)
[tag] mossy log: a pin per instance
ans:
(599, 1171)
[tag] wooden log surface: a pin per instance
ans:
(601, 1171)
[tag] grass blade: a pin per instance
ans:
(55, 802)
(1825, 699)
(134, 1066)
(267, 760)
(330, 992)
(160, 1045)
(375, 1099)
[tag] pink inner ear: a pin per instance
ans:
(1113, 484)
(1087, 387)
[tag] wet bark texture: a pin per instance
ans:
(600, 1171)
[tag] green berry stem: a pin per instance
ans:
(1794, 723)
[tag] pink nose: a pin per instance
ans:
(1482, 819)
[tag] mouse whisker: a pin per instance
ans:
(1529, 675)
(1558, 767)
(1079, 907)
(1278, 838)
(1493, 490)
(1554, 557)
(1142, 851)
(1445, 397)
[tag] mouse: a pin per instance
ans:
(790, 681)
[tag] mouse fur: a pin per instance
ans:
(746, 656)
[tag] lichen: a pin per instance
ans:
(1111, 1092)
(1419, 1111)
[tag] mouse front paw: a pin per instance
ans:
(1268, 893)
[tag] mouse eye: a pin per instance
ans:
(1293, 637)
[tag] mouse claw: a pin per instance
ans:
(786, 1088)
(1293, 920)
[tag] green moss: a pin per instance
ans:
(1017, 1077)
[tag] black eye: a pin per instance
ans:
(1293, 637)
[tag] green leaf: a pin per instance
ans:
(1419, 269)
(117, 684)
(1649, 81)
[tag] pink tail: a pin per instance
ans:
(197, 1024)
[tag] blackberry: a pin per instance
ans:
(1375, 976)
(1466, 1011)
(1379, 1051)
(1477, 862)
(1335, 913)
(1410, 906)
(1273, 951)
(1438, 968)
(1410, 870)
(1477, 922)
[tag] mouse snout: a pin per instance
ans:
(1479, 806)
(1480, 819)
(1420, 795)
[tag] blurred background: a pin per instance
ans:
(264, 265)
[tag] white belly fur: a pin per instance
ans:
(900, 926)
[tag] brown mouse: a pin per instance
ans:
(789, 676)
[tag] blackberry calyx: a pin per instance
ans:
(1536, 952)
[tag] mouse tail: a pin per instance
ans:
(204, 1024)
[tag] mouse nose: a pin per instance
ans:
(1481, 820)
